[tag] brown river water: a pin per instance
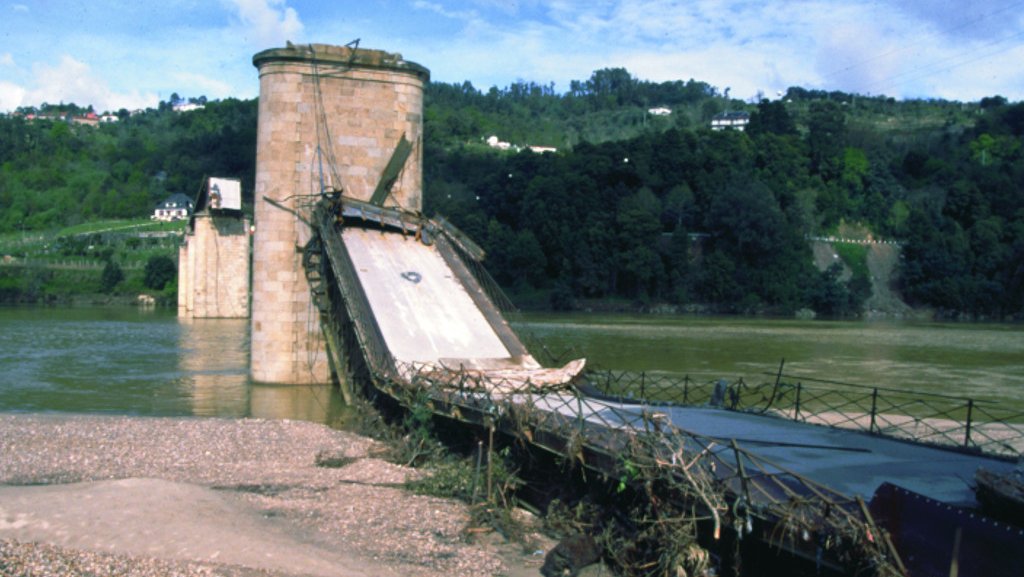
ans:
(131, 361)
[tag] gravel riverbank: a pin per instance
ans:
(98, 495)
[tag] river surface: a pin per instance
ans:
(146, 362)
(142, 362)
(981, 361)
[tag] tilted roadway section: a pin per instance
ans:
(409, 292)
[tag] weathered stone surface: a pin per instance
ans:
(369, 98)
(213, 268)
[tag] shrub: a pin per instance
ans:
(111, 277)
(160, 270)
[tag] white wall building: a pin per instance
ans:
(174, 207)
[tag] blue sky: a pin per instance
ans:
(115, 54)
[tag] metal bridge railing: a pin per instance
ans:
(730, 486)
(944, 420)
(707, 480)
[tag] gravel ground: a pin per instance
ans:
(259, 477)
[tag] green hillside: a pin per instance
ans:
(637, 205)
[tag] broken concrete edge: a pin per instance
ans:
(330, 55)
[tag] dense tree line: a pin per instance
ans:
(684, 214)
(634, 206)
(55, 172)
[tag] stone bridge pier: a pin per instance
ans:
(330, 117)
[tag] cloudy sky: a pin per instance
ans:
(115, 54)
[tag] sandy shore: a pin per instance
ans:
(95, 495)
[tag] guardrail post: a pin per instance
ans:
(796, 415)
(579, 413)
(874, 410)
(970, 414)
(686, 390)
(642, 384)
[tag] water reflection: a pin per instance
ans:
(126, 361)
(303, 402)
(213, 356)
(142, 362)
(214, 361)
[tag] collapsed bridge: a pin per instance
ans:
(408, 312)
(404, 308)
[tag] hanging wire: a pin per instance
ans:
(324, 142)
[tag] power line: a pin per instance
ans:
(941, 65)
(921, 40)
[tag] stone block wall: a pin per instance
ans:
(344, 110)
(213, 268)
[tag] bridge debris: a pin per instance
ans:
(500, 376)
(442, 343)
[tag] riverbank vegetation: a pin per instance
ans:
(641, 202)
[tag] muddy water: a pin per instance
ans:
(139, 362)
(127, 361)
(983, 361)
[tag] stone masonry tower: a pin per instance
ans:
(332, 115)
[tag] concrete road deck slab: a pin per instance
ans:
(422, 309)
(851, 462)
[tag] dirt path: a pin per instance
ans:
(882, 262)
(229, 497)
(167, 520)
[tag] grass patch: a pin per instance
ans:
(854, 256)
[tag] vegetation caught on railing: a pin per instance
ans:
(677, 496)
(680, 498)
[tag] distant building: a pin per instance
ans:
(493, 142)
(174, 207)
(89, 118)
(730, 121)
(659, 111)
(187, 106)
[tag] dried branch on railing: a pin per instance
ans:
(671, 479)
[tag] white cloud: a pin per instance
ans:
(441, 10)
(877, 47)
(267, 23)
(6, 59)
(209, 87)
(11, 96)
(20, 8)
(74, 81)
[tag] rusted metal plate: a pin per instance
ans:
(936, 538)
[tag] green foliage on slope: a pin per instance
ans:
(635, 205)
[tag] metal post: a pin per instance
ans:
(579, 413)
(874, 407)
(686, 390)
(796, 415)
(643, 374)
(970, 414)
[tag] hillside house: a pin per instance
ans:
(174, 207)
(736, 120)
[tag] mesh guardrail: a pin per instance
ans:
(703, 479)
(944, 420)
(724, 483)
